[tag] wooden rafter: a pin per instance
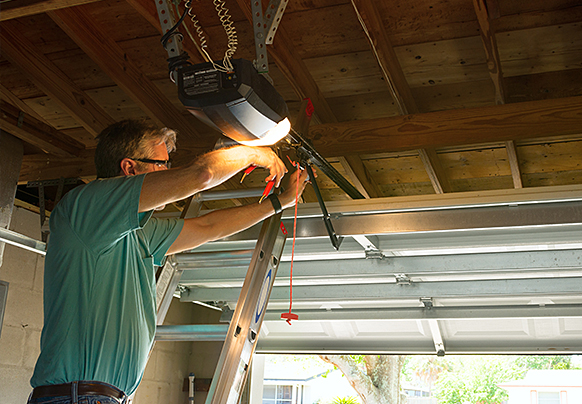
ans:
(514, 164)
(383, 51)
(491, 50)
(435, 170)
(6, 95)
(37, 167)
(79, 25)
(52, 80)
(147, 9)
(22, 8)
(526, 120)
(385, 55)
(487, 10)
(37, 133)
(354, 167)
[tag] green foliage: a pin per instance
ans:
(473, 379)
(345, 400)
(545, 362)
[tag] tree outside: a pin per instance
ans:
(455, 379)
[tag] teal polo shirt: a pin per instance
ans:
(99, 285)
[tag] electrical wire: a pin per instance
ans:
(229, 29)
(174, 63)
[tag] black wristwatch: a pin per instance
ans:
(276, 203)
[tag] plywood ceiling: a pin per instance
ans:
(411, 97)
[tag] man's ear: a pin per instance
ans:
(128, 167)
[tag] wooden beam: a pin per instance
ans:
(435, 171)
(514, 164)
(23, 8)
(373, 27)
(360, 176)
(38, 167)
(148, 10)
(79, 25)
(294, 69)
(52, 81)
(7, 96)
(37, 133)
(47, 167)
(527, 120)
(491, 50)
(486, 10)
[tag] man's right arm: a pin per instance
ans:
(167, 186)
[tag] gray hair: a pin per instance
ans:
(129, 139)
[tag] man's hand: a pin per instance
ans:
(266, 158)
(288, 197)
(222, 223)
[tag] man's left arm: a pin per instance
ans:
(225, 222)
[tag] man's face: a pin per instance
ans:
(160, 153)
(131, 166)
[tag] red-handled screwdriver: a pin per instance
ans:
(247, 172)
(267, 190)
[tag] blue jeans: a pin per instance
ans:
(79, 399)
(68, 400)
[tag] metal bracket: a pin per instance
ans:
(370, 245)
(427, 302)
(167, 21)
(374, 255)
(402, 279)
(20, 119)
(264, 28)
(273, 16)
(259, 27)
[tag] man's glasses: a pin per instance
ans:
(159, 163)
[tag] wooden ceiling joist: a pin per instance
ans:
(38, 167)
(486, 11)
(37, 133)
(491, 49)
(514, 164)
(526, 120)
(147, 9)
(22, 8)
(79, 25)
(371, 22)
(355, 169)
(435, 171)
(384, 53)
(6, 95)
(52, 81)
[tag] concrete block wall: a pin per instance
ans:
(169, 364)
(23, 318)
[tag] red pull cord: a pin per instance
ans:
(290, 316)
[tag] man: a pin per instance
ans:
(99, 288)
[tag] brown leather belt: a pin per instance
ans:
(84, 389)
